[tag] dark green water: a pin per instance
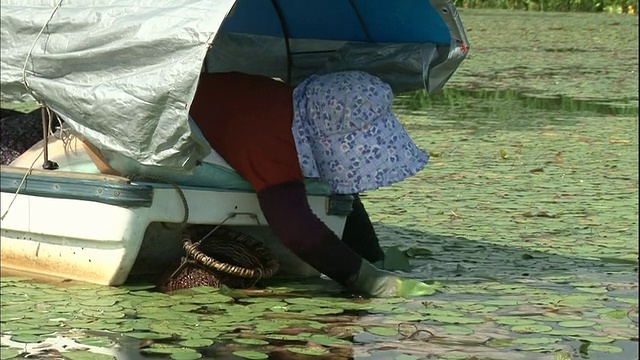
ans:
(527, 216)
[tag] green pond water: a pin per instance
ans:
(525, 219)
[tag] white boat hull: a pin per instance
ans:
(103, 228)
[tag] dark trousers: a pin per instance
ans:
(359, 234)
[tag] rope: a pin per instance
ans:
(181, 194)
(24, 178)
(231, 215)
(40, 102)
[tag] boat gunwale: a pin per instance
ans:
(102, 188)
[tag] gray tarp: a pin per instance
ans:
(122, 73)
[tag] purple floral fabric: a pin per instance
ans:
(347, 136)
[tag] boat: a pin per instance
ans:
(104, 197)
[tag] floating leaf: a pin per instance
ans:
(329, 341)
(250, 341)
(576, 323)
(605, 348)
(209, 334)
(593, 290)
(6, 353)
(614, 314)
(322, 311)
(457, 330)
(531, 328)
(27, 338)
(440, 312)
(285, 337)
(409, 317)
(415, 252)
(112, 291)
(185, 355)
(312, 351)
(595, 339)
(382, 331)
(156, 303)
(247, 354)
(455, 319)
(207, 299)
(103, 314)
(99, 302)
(194, 343)
(147, 335)
(570, 332)
(395, 259)
(95, 341)
(512, 320)
(535, 340)
(502, 302)
(632, 301)
(85, 355)
(137, 287)
(166, 349)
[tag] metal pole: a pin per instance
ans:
(47, 165)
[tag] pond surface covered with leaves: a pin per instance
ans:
(527, 217)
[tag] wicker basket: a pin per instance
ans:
(224, 257)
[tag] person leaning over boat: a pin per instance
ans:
(336, 127)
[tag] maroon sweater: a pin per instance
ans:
(247, 120)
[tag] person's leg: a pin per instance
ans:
(359, 234)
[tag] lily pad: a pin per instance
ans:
(512, 320)
(7, 353)
(99, 302)
(605, 348)
(536, 340)
(285, 337)
(596, 339)
(570, 332)
(185, 307)
(503, 302)
(166, 349)
(194, 343)
(531, 328)
(576, 323)
(614, 314)
(148, 335)
(455, 319)
(95, 341)
(137, 287)
(322, 311)
(248, 354)
(27, 338)
(382, 331)
(395, 259)
(329, 340)
(250, 341)
(85, 355)
(312, 351)
(185, 355)
(410, 317)
(457, 330)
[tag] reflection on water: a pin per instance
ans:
(494, 100)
